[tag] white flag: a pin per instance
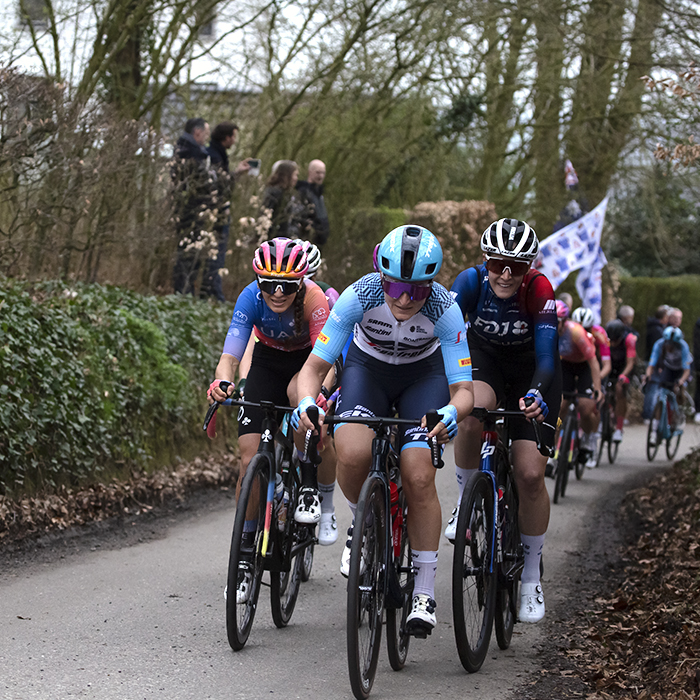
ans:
(572, 247)
(589, 285)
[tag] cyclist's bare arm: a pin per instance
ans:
(247, 359)
(225, 370)
(309, 382)
(629, 366)
(462, 398)
(606, 368)
(595, 373)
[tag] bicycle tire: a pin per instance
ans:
(563, 459)
(579, 468)
(307, 563)
(653, 449)
(473, 578)
(511, 566)
(613, 448)
(239, 616)
(672, 445)
(604, 430)
(366, 582)
(284, 585)
(397, 639)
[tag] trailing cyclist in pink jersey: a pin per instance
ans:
(286, 313)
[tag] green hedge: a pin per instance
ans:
(96, 379)
(646, 294)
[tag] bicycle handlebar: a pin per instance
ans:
(484, 414)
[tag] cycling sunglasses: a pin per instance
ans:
(416, 292)
(287, 287)
(499, 266)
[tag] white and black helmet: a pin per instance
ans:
(583, 316)
(510, 238)
(313, 255)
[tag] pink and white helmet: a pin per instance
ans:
(281, 258)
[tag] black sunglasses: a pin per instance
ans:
(498, 266)
(287, 287)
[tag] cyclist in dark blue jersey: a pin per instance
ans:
(512, 334)
(409, 350)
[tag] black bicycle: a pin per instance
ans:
(380, 577)
(275, 542)
(569, 454)
(607, 425)
(488, 555)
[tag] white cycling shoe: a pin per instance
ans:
(451, 529)
(421, 620)
(245, 581)
(617, 436)
(531, 602)
(345, 557)
(328, 529)
(308, 510)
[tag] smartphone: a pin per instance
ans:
(254, 167)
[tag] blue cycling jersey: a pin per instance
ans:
(675, 357)
(527, 320)
(361, 308)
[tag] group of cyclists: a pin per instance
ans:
(407, 345)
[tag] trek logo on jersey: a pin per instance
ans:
(323, 338)
(465, 362)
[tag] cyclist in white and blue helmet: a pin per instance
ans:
(408, 351)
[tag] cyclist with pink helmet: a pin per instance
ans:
(286, 313)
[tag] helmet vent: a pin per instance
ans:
(430, 268)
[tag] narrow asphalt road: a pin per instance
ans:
(147, 621)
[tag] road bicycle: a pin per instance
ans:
(381, 576)
(276, 542)
(488, 554)
(607, 425)
(668, 429)
(569, 453)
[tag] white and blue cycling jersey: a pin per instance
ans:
(362, 311)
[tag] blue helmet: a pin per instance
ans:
(675, 335)
(410, 253)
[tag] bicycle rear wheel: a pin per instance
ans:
(284, 585)
(604, 430)
(563, 461)
(653, 448)
(397, 639)
(511, 567)
(613, 447)
(366, 586)
(473, 579)
(246, 560)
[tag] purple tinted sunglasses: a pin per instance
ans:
(416, 292)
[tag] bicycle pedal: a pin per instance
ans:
(418, 629)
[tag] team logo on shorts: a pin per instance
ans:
(465, 362)
(323, 338)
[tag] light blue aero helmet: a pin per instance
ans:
(675, 335)
(409, 253)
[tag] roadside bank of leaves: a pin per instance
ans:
(25, 519)
(640, 636)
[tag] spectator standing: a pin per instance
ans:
(194, 202)
(223, 137)
(282, 209)
(626, 315)
(311, 192)
(675, 317)
(655, 328)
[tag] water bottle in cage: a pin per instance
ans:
(396, 520)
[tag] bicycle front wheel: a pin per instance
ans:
(245, 565)
(512, 564)
(563, 461)
(672, 445)
(366, 586)
(613, 447)
(473, 577)
(284, 585)
(654, 436)
(397, 639)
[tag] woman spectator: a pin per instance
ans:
(282, 210)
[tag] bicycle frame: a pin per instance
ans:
(666, 395)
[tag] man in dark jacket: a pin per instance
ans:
(655, 328)
(194, 203)
(223, 137)
(311, 191)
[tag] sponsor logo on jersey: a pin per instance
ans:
(551, 305)
(335, 316)
(323, 338)
(418, 329)
(465, 362)
(377, 322)
(240, 315)
(319, 313)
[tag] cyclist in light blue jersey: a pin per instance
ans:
(409, 352)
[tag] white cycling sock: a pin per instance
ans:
(462, 478)
(532, 549)
(425, 568)
(326, 493)
(353, 508)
